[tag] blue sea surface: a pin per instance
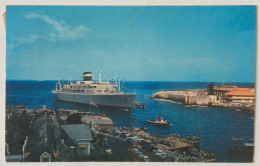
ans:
(217, 125)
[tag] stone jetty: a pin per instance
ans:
(219, 96)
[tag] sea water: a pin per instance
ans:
(217, 125)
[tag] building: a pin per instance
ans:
(98, 121)
(240, 95)
(81, 135)
(213, 99)
(47, 144)
(220, 90)
(45, 157)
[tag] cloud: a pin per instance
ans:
(29, 39)
(31, 15)
(63, 31)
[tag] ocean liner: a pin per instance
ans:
(99, 93)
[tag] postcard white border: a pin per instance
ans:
(4, 3)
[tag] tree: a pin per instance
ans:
(210, 88)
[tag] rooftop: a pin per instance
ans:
(237, 98)
(241, 92)
(241, 89)
(78, 131)
(98, 120)
(225, 87)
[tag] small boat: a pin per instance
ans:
(126, 110)
(138, 104)
(159, 121)
(187, 106)
(238, 110)
(204, 106)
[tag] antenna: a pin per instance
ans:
(106, 76)
(198, 130)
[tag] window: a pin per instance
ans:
(45, 159)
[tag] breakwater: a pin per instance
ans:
(200, 97)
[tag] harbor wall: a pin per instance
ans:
(202, 100)
(187, 96)
(175, 97)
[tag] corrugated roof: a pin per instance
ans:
(242, 89)
(242, 92)
(78, 131)
(237, 98)
(225, 88)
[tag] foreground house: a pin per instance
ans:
(81, 135)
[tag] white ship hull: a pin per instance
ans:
(109, 100)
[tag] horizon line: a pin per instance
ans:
(139, 81)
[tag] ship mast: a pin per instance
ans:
(100, 72)
(58, 85)
(119, 89)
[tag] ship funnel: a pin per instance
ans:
(87, 76)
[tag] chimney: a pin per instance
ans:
(55, 154)
(87, 76)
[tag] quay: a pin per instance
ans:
(56, 135)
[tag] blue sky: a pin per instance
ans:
(136, 43)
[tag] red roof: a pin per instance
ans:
(238, 98)
(242, 89)
(241, 92)
(225, 87)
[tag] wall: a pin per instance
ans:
(203, 100)
(86, 145)
(176, 97)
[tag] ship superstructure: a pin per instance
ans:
(101, 93)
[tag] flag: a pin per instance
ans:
(93, 103)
